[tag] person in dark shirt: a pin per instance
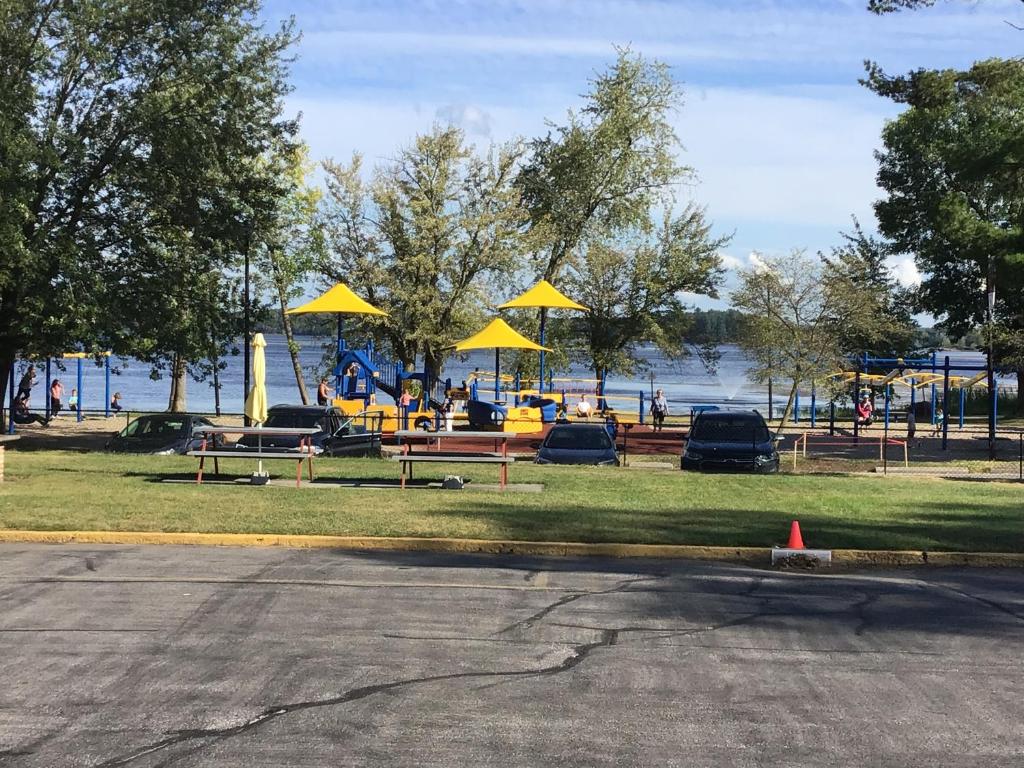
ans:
(22, 414)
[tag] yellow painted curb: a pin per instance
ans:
(754, 555)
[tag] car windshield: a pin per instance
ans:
(722, 428)
(154, 426)
(578, 439)
(296, 419)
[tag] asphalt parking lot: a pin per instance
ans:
(160, 656)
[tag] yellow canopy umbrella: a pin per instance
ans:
(498, 335)
(256, 400)
(544, 296)
(339, 300)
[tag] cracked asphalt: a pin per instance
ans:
(178, 656)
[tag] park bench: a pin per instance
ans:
(498, 457)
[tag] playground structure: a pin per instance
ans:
(79, 409)
(928, 381)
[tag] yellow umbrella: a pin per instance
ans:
(256, 401)
(339, 300)
(498, 335)
(545, 296)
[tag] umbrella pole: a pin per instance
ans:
(497, 372)
(259, 442)
(543, 317)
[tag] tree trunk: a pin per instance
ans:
(176, 402)
(293, 347)
(789, 407)
(5, 397)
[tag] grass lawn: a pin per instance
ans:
(55, 490)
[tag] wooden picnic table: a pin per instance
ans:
(304, 452)
(406, 438)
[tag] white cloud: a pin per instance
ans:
(905, 271)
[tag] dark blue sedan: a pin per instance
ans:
(730, 440)
(578, 444)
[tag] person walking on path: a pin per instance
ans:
(56, 393)
(659, 410)
(27, 382)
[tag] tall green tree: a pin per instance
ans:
(607, 165)
(632, 286)
(425, 238)
(861, 261)
(128, 142)
(950, 168)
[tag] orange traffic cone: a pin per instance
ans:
(796, 541)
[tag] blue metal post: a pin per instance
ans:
(963, 400)
(497, 374)
(106, 378)
(78, 405)
(46, 392)
(933, 390)
(641, 406)
(814, 406)
(913, 393)
(540, 378)
(945, 402)
(516, 384)
(796, 408)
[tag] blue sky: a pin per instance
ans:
(775, 125)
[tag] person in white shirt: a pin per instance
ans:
(583, 408)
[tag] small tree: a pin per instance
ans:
(798, 312)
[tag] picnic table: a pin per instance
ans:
(304, 452)
(409, 437)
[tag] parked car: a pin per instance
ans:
(578, 444)
(730, 440)
(163, 433)
(337, 435)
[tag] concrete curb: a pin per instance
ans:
(746, 555)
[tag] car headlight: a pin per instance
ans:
(763, 458)
(688, 454)
(608, 463)
(540, 460)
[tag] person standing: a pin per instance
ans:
(115, 403)
(56, 393)
(659, 410)
(27, 382)
(322, 391)
(73, 400)
(404, 401)
(448, 408)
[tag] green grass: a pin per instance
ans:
(51, 490)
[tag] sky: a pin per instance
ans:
(775, 125)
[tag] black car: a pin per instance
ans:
(578, 444)
(730, 440)
(164, 433)
(337, 435)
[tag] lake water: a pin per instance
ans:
(685, 382)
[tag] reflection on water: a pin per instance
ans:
(686, 382)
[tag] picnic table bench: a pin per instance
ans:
(499, 456)
(303, 454)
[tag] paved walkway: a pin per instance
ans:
(147, 656)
